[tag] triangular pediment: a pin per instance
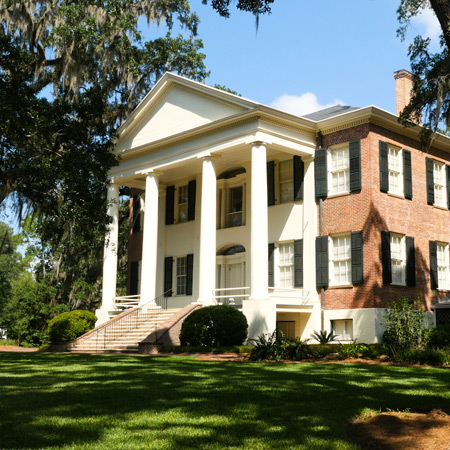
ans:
(175, 107)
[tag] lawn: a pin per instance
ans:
(55, 401)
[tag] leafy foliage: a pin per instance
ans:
(214, 326)
(322, 337)
(440, 337)
(405, 326)
(276, 346)
(69, 325)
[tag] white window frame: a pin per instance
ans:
(347, 327)
(281, 264)
(398, 258)
(395, 169)
(288, 181)
(180, 204)
(224, 187)
(176, 276)
(439, 184)
(343, 170)
(333, 241)
(443, 265)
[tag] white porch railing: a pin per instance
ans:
(232, 296)
(126, 301)
(296, 294)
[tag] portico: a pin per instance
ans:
(191, 209)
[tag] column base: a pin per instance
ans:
(102, 316)
(261, 317)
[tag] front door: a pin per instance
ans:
(231, 274)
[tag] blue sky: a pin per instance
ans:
(317, 53)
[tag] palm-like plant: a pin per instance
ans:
(323, 337)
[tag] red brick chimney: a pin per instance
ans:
(403, 89)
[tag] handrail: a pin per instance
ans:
(129, 320)
(229, 298)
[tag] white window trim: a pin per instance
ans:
(403, 258)
(444, 183)
(223, 193)
(175, 276)
(331, 280)
(348, 323)
(178, 204)
(277, 264)
(446, 285)
(339, 147)
(401, 187)
(278, 181)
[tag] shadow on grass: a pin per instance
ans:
(109, 401)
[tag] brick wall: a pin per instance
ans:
(373, 211)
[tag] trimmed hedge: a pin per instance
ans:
(214, 326)
(69, 325)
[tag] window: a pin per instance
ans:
(339, 173)
(181, 275)
(286, 181)
(443, 265)
(286, 328)
(183, 199)
(286, 264)
(398, 259)
(231, 198)
(234, 212)
(440, 196)
(341, 260)
(395, 168)
(343, 329)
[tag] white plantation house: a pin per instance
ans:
(303, 223)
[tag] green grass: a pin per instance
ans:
(54, 401)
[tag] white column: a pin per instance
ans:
(207, 266)
(110, 253)
(309, 231)
(259, 224)
(150, 239)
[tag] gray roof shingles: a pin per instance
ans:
(329, 112)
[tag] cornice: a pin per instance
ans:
(345, 125)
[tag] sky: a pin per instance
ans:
(306, 55)
(309, 55)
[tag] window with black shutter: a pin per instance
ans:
(355, 165)
(357, 257)
(298, 263)
(299, 175)
(430, 180)
(407, 175)
(170, 205)
(271, 183)
(190, 269)
(320, 173)
(168, 274)
(271, 265)
(433, 265)
(410, 262)
(322, 260)
(384, 167)
(386, 257)
(192, 189)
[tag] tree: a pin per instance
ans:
(69, 73)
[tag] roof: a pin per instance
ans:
(329, 112)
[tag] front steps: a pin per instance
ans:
(126, 341)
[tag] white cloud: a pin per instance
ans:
(428, 25)
(302, 104)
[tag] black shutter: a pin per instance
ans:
(410, 262)
(134, 278)
(298, 263)
(170, 205)
(271, 266)
(322, 260)
(136, 225)
(357, 257)
(191, 199)
(384, 167)
(448, 185)
(430, 181)
(271, 183)
(189, 273)
(355, 165)
(386, 257)
(168, 274)
(433, 265)
(299, 175)
(407, 174)
(320, 172)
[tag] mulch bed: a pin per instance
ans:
(17, 349)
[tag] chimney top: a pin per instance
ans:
(404, 82)
(403, 74)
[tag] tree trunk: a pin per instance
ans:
(442, 10)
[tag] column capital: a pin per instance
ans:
(307, 158)
(209, 156)
(259, 143)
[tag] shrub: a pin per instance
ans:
(214, 326)
(322, 337)
(405, 326)
(69, 325)
(440, 336)
(276, 347)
